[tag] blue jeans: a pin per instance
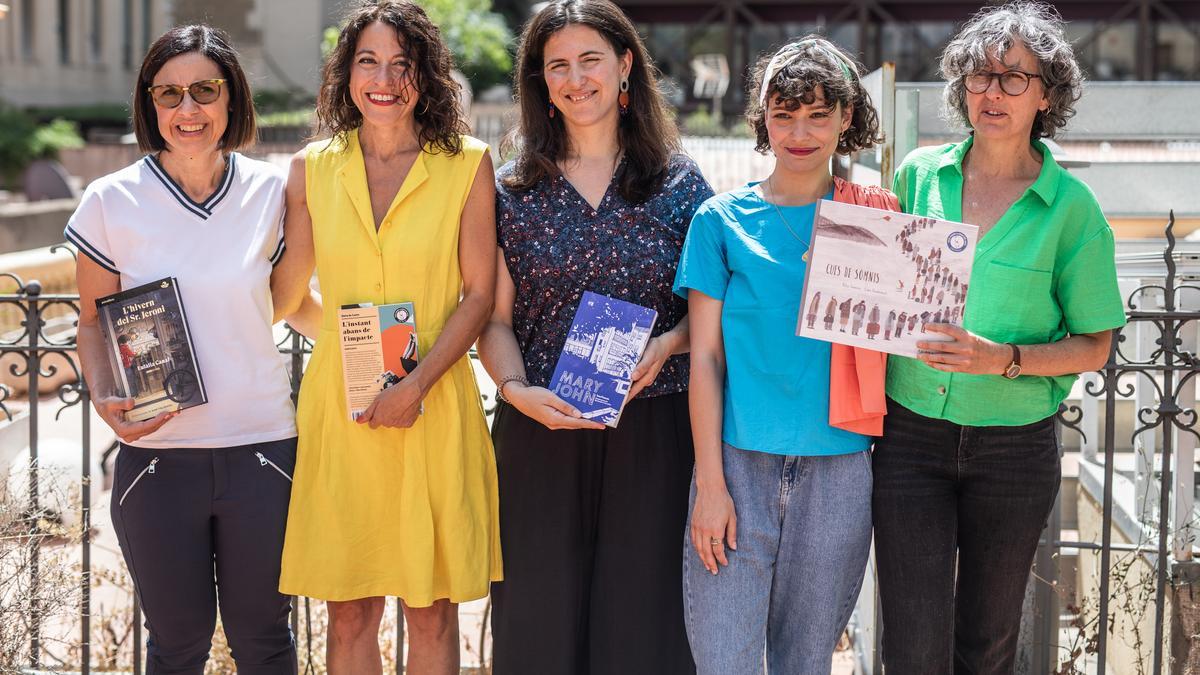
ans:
(803, 535)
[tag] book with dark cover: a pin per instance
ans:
(595, 369)
(150, 349)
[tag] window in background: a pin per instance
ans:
(28, 30)
(96, 39)
(127, 34)
(64, 31)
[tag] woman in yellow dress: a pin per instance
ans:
(396, 207)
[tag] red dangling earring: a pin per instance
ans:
(551, 113)
(623, 97)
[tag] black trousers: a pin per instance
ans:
(958, 511)
(590, 523)
(198, 524)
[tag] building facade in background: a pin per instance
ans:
(86, 52)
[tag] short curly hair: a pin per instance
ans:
(797, 83)
(440, 120)
(992, 32)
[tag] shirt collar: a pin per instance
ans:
(1046, 184)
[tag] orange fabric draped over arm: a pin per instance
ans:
(857, 401)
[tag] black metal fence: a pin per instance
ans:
(42, 349)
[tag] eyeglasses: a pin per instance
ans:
(1012, 82)
(171, 95)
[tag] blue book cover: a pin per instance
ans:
(595, 368)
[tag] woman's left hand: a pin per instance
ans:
(965, 352)
(652, 361)
(397, 406)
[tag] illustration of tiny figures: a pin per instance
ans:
(873, 323)
(954, 315)
(829, 311)
(900, 321)
(813, 308)
(844, 314)
(860, 311)
(924, 320)
(891, 323)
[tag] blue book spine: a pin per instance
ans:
(595, 369)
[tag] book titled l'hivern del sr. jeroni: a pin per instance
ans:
(150, 349)
(379, 348)
(595, 369)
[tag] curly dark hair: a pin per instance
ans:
(440, 121)
(796, 84)
(646, 133)
(993, 31)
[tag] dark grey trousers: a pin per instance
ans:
(202, 528)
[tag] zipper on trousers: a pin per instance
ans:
(263, 461)
(148, 470)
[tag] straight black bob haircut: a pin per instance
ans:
(213, 44)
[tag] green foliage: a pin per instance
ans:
(478, 37)
(703, 123)
(267, 101)
(50, 138)
(23, 141)
(97, 114)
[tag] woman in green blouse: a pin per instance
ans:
(968, 467)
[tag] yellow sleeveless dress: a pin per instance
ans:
(411, 512)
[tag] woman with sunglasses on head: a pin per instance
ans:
(968, 467)
(598, 199)
(781, 499)
(398, 206)
(200, 498)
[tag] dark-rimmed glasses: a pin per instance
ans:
(201, 91)
(1012, 82)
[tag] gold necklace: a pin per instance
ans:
(779, 212)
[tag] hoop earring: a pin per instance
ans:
(425, 111)
(550, 114)
(623, 97)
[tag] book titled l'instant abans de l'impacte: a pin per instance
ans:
(379, 348)
(150, 349)
(594, 371)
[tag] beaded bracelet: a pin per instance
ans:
(510, 378)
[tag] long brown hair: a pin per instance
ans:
(646, 133)
(440, 122)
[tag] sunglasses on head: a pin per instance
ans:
(171, 95)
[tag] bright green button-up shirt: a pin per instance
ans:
(1046, 270)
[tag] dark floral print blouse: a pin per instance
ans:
(556, 247)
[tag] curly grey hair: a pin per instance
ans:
(993, 31)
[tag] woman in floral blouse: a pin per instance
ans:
(598, 199)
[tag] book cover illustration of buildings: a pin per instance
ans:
(595, 369)
(150, 349)
(876, 278)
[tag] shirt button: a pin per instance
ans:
(379, 287)
(941, 390)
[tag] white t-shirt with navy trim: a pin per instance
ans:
(138, 223)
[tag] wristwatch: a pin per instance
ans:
(1014, 369)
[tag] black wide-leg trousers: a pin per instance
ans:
(590, 523)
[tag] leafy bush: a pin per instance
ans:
(703, 123)
(23, 141)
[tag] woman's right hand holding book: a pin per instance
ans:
(112, 410)
(540, 404)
